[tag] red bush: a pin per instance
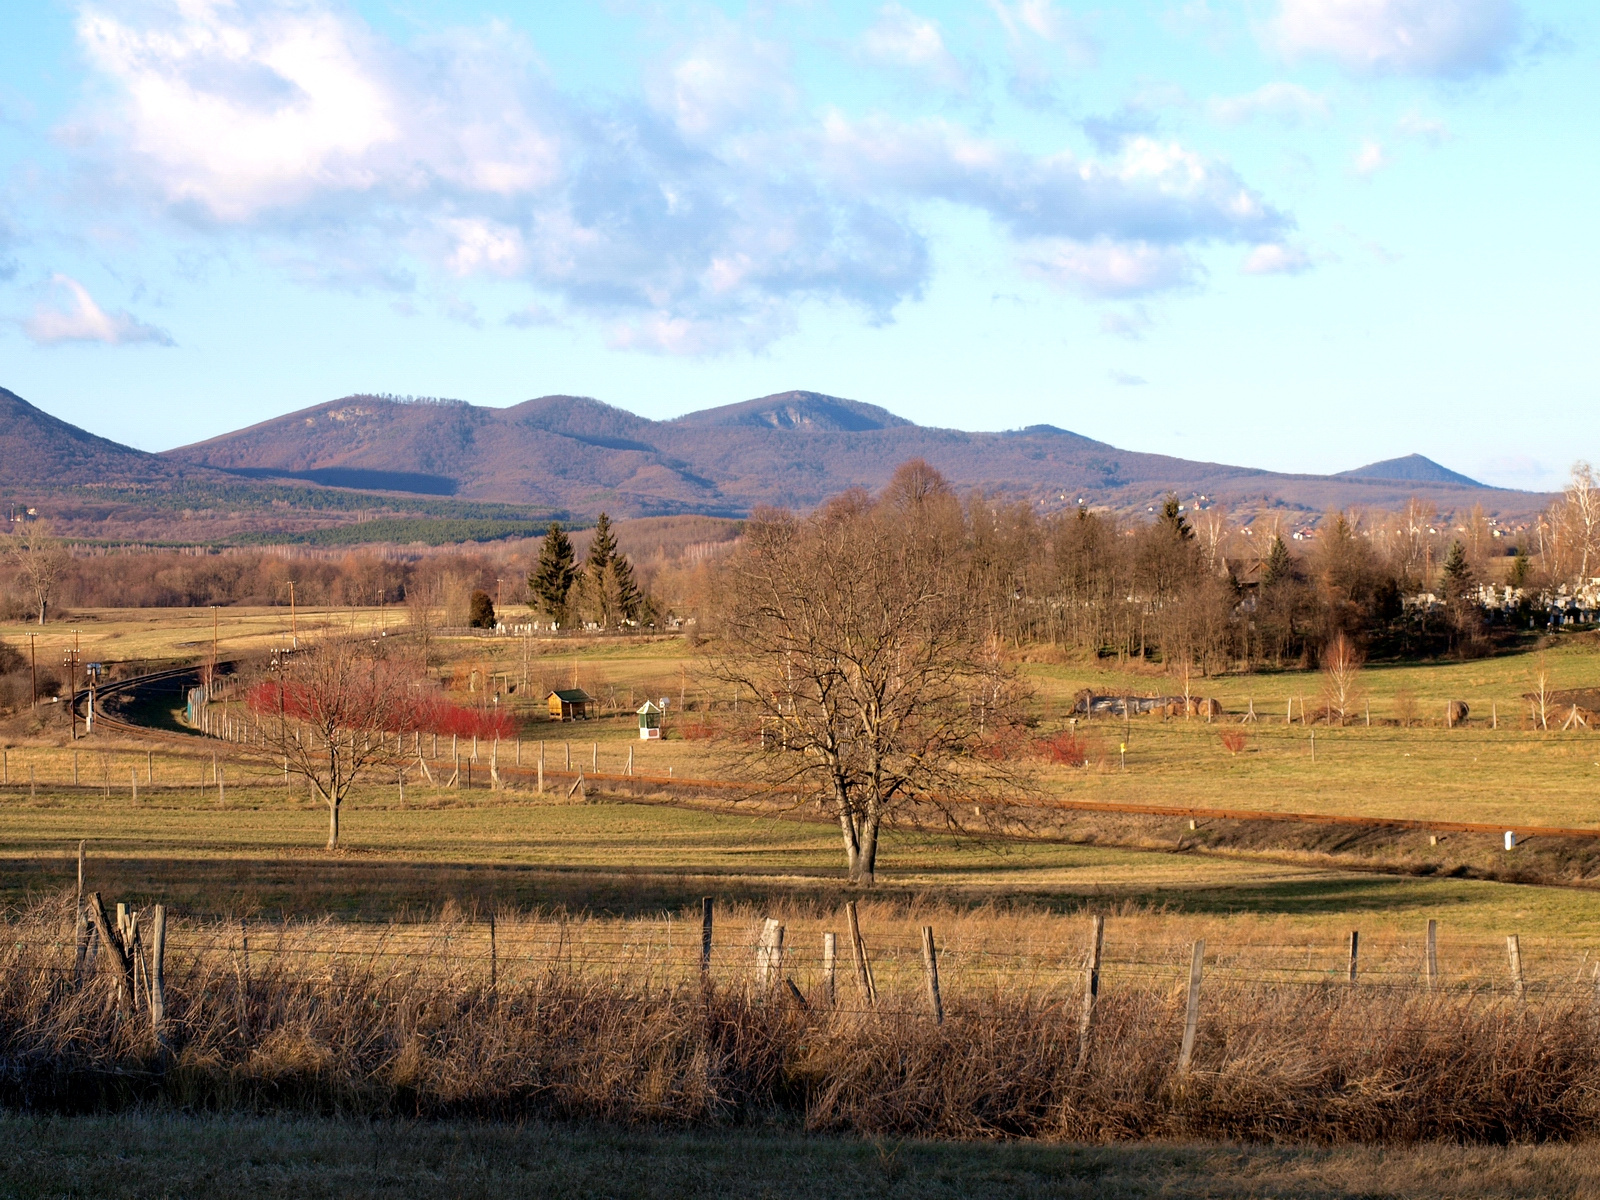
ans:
(1066, 749)
(426, 714)
(1233, 740)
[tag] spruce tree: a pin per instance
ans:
(629, 601)
(1279, 566)
(552, 579)
(1521, 568)
(1172, 517)
(1458, 574)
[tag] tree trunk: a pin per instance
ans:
(852, 845)
(867, 858)
(333, 825)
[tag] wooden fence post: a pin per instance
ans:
(1433, 954)
(157, 969)
(930, 970)
(112, 945)
(769, 954)
(706, 908)
(494, 958)
(830, 958)
(133, 775)
(150, 767)
(858, 949)
(1191, 1021)
(1355, 951)
(81, 932)
(1514, 952)
(1091, 985)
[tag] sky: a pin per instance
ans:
(1300, 235)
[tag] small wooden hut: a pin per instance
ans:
(570, 704)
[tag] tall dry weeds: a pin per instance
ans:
(324, 1019)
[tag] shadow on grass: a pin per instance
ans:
(352, 887)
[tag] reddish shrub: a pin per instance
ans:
(1233, 740)
(1066, 748)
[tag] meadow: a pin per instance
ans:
(596, 904)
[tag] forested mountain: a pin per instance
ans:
(790, 449)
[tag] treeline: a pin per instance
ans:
(668, 557)
(1191, 589)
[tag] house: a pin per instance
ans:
(570, 704)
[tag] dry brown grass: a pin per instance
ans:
(604, 1021)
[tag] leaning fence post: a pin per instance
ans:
(1091, 985)
(1433, 954)
(1514, 952)
(930, 969)
(494, 958)
(1355, 951)
(158, 979)
(858, 949)
(113, 946)
(706, 907)
(830, 953)
(1191, 1021)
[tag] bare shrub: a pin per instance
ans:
(1405, 707)
(1233, 740)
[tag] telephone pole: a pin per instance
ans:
(33, 669)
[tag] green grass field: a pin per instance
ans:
(159, 1155)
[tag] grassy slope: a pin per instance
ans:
(158, 1154)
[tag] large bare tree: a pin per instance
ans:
(40, 560)
(852, 639)
(335, 712)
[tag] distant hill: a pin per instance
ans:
(1413, 468)
(794, 448)
(36, 448)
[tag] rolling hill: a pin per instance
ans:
(793, 448)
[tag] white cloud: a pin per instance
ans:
(1285, 101)
(86, 321)
(1276, 258)
(696, 217)
(1370, 158)
(1107, 270)
(1446, 38)
(901, 38)
(1124, 379)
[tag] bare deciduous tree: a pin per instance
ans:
(334, 713)
(1542, 695)
(40, 559)
(1341, 671)
(854, 646)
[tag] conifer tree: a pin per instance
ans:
(552, 579)
(1279, 566)
(1458, 576)
(1172, 517)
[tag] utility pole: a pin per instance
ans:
(211, 679)
(33, 669)
(294, 627)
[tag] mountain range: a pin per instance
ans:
(576, 455)
(793, 449)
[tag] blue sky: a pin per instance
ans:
(1296, 234)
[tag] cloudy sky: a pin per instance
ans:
(1298, 234)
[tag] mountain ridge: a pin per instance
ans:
(578, 455)
(790, 449)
